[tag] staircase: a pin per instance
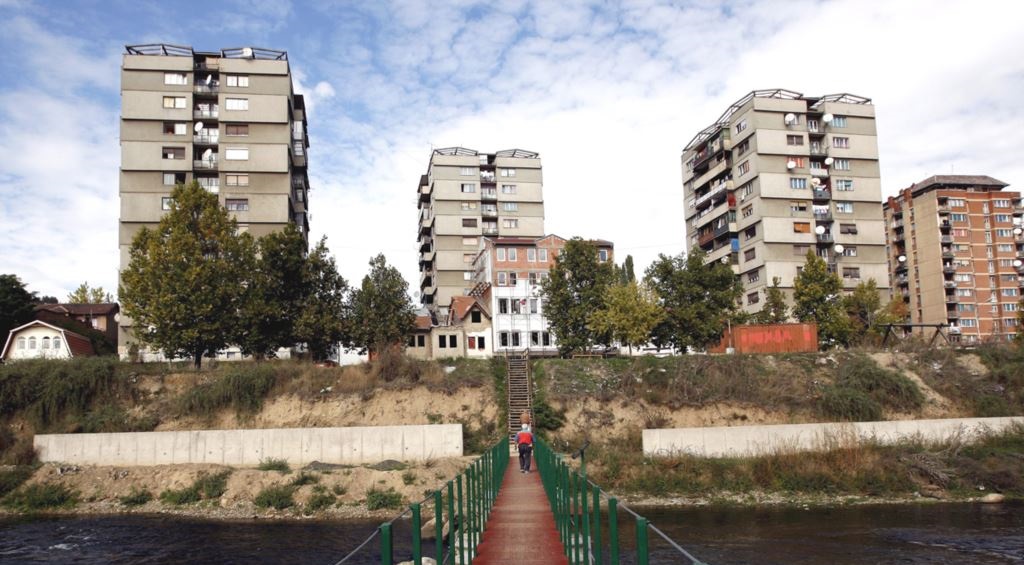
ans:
(520, 394)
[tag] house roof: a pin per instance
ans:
(81, 309)
(957, 181)
(424, 322)
(78, 344)
(461, 305)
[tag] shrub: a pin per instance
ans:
(212, 486)
(274, 465)
(179, 497)
(381, 499)
(11, 479)
(47, 390)
(889, 388)
(111, 418)
(319, 501)
(41, 497)
(15, 450)
(243, 388)
(408, 478)
(304, 478)
(849, 404)
(136, 497)
(339, 490)
(277, 497)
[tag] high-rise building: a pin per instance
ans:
(464, 196)
(955, 252)
(227, 119)
(779, 175)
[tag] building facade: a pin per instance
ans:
(955, 255)
(779, 175)
(464, 196)
(226, 119)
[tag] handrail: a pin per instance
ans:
(576, 503)
(467, 513)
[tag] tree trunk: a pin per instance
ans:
(197, 359)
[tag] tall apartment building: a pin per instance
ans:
(780, 174)
(228, 119)
(464, 196)
(955, 254)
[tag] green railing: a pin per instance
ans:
(576, 503)
(464, 503)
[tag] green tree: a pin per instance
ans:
(324, 319)
(625, 273)
(818, 297)
(774, 310)
(699, 299)
(16, 304)
(629, 314)
(864, 306)
(275, 292)
(381, 312)
(575, 289)
(182, 286)
(86, 294)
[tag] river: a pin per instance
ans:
(891, 534)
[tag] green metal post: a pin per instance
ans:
(574, 488)
(613, 531)
(462, 522)
(417, 525)
(585, 520)
(451, 519)
(385, 544)
(641, 541)
(471, 499)
(595, 528)
(438, 526)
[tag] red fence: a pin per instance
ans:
(769, 338)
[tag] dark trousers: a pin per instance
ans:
(525, 451)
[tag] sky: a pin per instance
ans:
(608, 93)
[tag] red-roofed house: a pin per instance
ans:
(38, 339)
(100, 317)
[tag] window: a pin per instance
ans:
(501, 253)
(849, 251)
(742, 125)
(1001, 203)
(964, 292)
(748, 211)
(841, 142)
(237, 204)
(469, 241)
(958, 217)
(503, 305)
(848, 228)
(442, 342)
(468, 205)
(56, 343)
(515, 339)
(534, 306)
(1010, 307)
(239, 81)
(753, 276)
(507, 172)
(962, 277)
(851, 272)
(236, 180)
(517, 306)
(469, 222)
(801, 227)
(797, 206)
(31, 343)
(801, 250)
(797, 183)
(750, 233)
(957, 202)
(173, 152)
(1003, 218)
(747, 189)
(1004, 247)
(843, 185)
(46, 343)
(1004, 233)
(969, 323)
(236, 154)
(171, 179)
(502, 278)
(468, 187)
(165, 202)
(511, 206)
(508, 189)
(513, 254)
(534, 338)
(236, 129)
(753, 298)
(503, 338)
(844, 207)
(236, 103)
(841, 164)
(743, 147)
(453, 341)
(467, 257)
(531, 255)
(474, 316)
(21, 343)
(174, 128)
(798, 162)
(510, 223)
(744, 168)
(838, 121)
(174, 102)
(602, 255)
(794, 140)
(467, 171)
(467, 275)
(175, 78)
(750, 254)
(1009, 292)
(542, 255)
(480, 343)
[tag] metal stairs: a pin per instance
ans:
(520, 393)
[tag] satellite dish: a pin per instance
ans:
(1017, 231)
(829, 160)
(725, 259)
(208, 154)
(790, 118)
(1018, 220)
(247, 52)
(819, 230)
(791, 164)
(1017, 263)
(839, 248)
(198, 127)
(209, 80)
(815, 182)
(827, 118)
(416, 294)
(902, 258)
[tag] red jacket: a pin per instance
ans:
(524, 437)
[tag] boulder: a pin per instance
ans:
(992, 498)
(427, 531)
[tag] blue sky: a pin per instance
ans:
(607, 92)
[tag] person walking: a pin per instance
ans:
(524, 439)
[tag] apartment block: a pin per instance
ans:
(781, 174)
(227, 119)
(955, 255)
(508, 272)
(464, 196)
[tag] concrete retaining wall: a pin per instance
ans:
(747, 441)
(298, 446)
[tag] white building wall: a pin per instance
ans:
(38, 333)
(524, 323)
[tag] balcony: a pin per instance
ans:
(426, 278)
(943, 209)
(1020, 282)
(706, 238)
(208, 65)
(823, 216)
(826, 237)
(902, 280)
(427, 256)
(426, 224)
(488, 195)
(717, 190)
(489, 213)
(946, 239)
(205, 164)
(206, 139)
(210, 184)
(490, 230)
(949, 284)
(948, 253)
(197, 113)
(424, 194)
(425, 244)
(901, 268)
(954, 330)
(211, 89)
(819, 172)
(952, 299)
(948, 269)
(819, 150)
(953, 314)
(899, 236)
(821, 194)
(897, 224)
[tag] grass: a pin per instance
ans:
(205, 487)
(304, 478)
(179, 497)
(242, 388)
(320, 500)
(33, 498)
(383, 499)
(11, 479)
(278, 497)
(48, 391)
(408, 478)
(272, 464)
(136, 497)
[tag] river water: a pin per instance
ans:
(892, 534)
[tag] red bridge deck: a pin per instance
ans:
(521, 529)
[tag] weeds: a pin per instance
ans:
(47, 391)
(40, 497)
(382, 499)
(136, 497)
(11, 479)
(304, 478)
(320, 500)
(272, 464)
(408, 478)
(277, 497)
(205, 487)
(242, 388)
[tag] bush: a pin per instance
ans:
(319, 501)
(886, 387)
(136, 497)
(188, 495)
(111, 418)
(381, 499)
(41, 497)
(15, 450)
(304, 478)
(47, 389)
(277, 497)
(11, 479)
(243, 388)
(339, 490)
(843, 403)
(212, 486)
(274, 465)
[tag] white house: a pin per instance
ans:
(39, 340)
